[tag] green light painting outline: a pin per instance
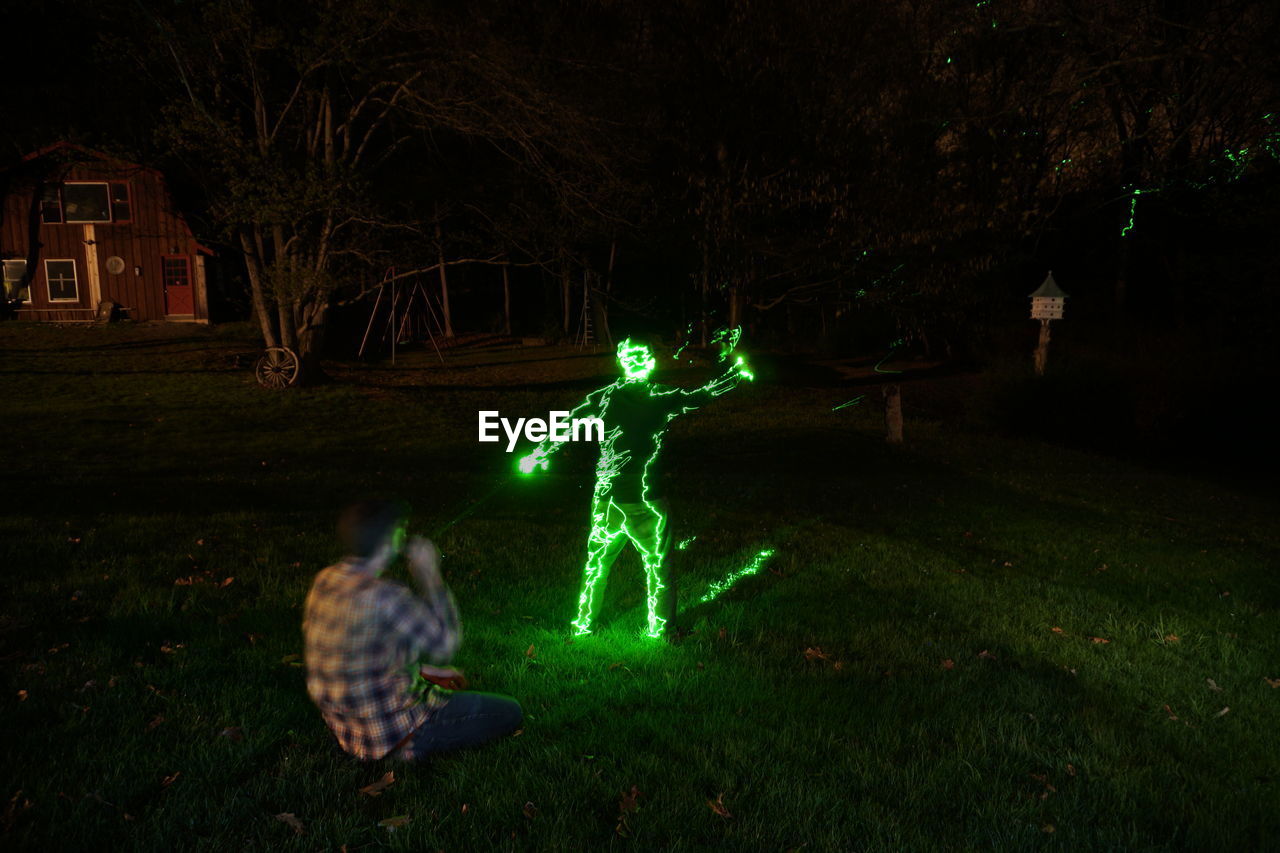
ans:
(637, 363)
(722, 586)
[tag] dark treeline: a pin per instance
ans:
(836, 174)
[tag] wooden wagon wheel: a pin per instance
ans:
(277, 369)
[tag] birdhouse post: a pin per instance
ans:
(1047, 303)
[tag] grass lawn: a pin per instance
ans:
(966, 642)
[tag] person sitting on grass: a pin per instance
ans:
(365, 638)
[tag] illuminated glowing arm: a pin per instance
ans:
(722, 384)
(539, 456)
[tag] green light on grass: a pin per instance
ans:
(685, 543)
(721, 586)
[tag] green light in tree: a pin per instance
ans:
(1239, 163)
(855, 401)
(893, 346)
(636, 413)
(721, 586)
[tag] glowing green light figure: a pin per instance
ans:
(625, 506)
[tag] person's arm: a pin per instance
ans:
(722, 384)
(426, 626)
(539, 456)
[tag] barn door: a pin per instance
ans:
(177, 285)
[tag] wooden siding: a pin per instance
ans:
(154, 231)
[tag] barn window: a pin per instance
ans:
(86, 202)
(51, 203)
(15, 284)
(61, 278)
(121, 207)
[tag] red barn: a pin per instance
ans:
(79, 228)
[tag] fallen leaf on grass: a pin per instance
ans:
(815, 653)
(393, 823)
(381, 785)
(717, 805)
(17, 805)
(1213, 685)
(465, 807)
(986, 655)
(627, 805)
(170, 779)
(530, 810)
(529, 652)
(1223, 712)
(1055, 629)
(292, 660)
(1071, 770)
(155, 722)
(253, 638)
(1273, 682)
(172, 649)
(948, 664)
(1100, 639)
(1169, 711)
(226, 582)
(22, 695)
(1048, 827)
(1172, 638)
(232, 733)
(292, 819)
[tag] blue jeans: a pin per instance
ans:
(468, 719)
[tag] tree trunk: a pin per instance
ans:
(506, 300)
(444, 281)
(310, 336)
(892, 413)
(564, 293)
(253, 263)
(702, 293)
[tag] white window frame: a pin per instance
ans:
(7, 262)
(14, 282)
(75, 279)
(65, 218)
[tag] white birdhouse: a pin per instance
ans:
(1048, 300)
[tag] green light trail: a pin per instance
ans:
(721, 586)
(1239, 161)
(616, 521)
(855, 401)
(893, 346)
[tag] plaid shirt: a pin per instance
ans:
(364, 638)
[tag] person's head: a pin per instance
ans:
(374, 531)
(636, 360)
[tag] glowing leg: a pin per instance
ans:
(604, 543)
(646, 527)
